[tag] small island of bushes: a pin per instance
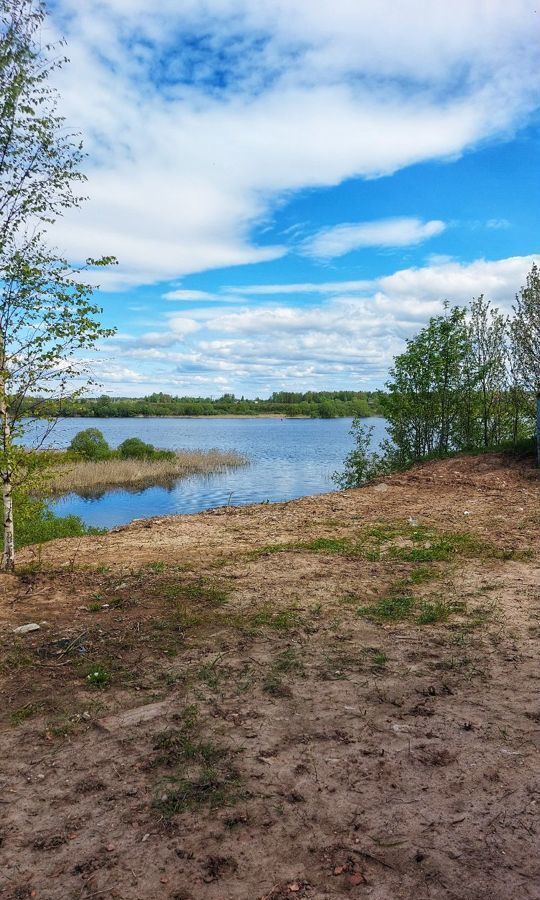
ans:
(90, 463)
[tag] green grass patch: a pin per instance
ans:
(24, 712)
(379, 661)
(202, 775)
(278, 619)
(201, 590)
(388, 609)
(400, 607)
(403, 541)
(211, 787)
(286, 663)
(98, 677)
(432, 611)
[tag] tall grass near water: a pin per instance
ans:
(79, 475)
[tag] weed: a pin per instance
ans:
(393, 608)
(273, 685)
(95, 606)
(25, 712)
(211, 673)
(202, 777)
(98, 677)
(210, 788)
(288, 661)
(378, 661)
(202, 591)
(422, 574)
(280, 620)
(481, 615)
(156, 568)
(432, 611)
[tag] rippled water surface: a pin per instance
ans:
(288, 458)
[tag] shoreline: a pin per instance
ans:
(223, 416)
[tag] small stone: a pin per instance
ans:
(339, 870)
(356, 878)
(145, 837)
(294, 887)
(26, 629)
(381, 487)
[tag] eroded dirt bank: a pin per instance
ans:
(333, 697)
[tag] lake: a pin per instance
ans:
(288, 458)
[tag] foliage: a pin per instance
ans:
(362, 464)
(47, 316)
(98, 677)
(312, 404)
(90, 444)
(526, 331)
(36, 523)
(424, 404)
(463, 383)
(135, 448)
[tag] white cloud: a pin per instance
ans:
(188, 296)
(199, 117)
(344, 339)
(444, 278)
(397, 232)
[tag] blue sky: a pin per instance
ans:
(292, 189)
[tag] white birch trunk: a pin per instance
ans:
(8, 555)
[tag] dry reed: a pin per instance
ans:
(86, 475)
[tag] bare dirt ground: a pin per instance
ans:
(333, 697)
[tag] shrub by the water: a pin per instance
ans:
(361, 464)
(36, 523)
(135, 448)
(90, 444)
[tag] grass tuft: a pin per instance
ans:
(389, 609)
(202, 776)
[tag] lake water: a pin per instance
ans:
(288, 458)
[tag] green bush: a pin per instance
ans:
(361, 464)
(35, 523)
(135, 448)
(90, 444)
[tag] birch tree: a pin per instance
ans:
(526, 335)
(46, 311)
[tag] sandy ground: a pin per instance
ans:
(332, 697)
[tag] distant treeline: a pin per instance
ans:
(313, 404)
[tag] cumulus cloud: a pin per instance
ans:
(397, 232)
(344, 336)
(200, 117)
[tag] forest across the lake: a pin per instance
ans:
(310, 404)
